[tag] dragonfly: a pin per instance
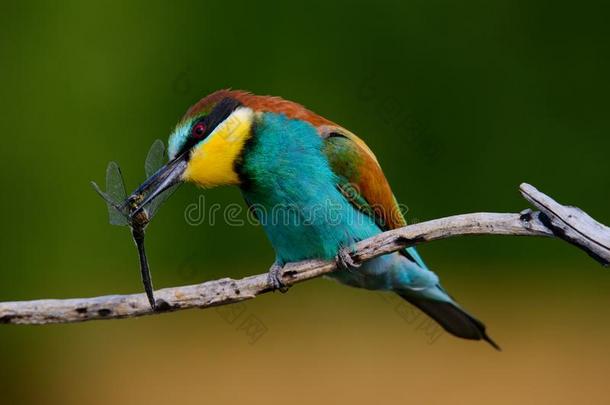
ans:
(134, 211)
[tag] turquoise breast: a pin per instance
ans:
(290, 187)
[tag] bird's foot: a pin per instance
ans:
(344, 259)
(275, 278)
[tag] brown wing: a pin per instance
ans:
(361, 179)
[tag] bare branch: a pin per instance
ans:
(571, 224)
(553, 220)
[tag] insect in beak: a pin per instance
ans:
(138, 209)
(140, 206)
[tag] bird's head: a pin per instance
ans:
(208, 143)
(210, 140)
(205, 147)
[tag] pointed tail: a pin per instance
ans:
(451, 317)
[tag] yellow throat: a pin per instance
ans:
(212, 162)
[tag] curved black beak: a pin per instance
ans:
(166, 177)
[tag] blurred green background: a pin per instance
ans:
(461, 101)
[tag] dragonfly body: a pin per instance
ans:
(323, 181)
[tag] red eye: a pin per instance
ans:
(198, 130)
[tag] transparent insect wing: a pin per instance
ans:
(155, 159)
(154, 206)
(116, 195)
(98, 190)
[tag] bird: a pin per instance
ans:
(316, 188)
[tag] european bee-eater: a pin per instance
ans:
(318, 186)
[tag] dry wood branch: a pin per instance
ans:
(553, 220)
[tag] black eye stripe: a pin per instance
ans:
(219, 113)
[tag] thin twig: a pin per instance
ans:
(553, 220)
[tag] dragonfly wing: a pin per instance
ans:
(98, 190)
(155, 160)
(114, 211)
(115, 195)
(161, 198)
